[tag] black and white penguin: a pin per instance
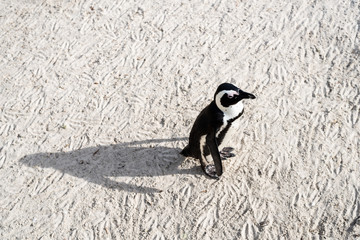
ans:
(211, 126)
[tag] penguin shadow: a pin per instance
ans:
(107, 165)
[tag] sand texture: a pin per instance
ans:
(98, 97)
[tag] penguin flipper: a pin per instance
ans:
(210, 170)
(186, 151)
(215, 154)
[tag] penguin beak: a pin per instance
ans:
(245, 95)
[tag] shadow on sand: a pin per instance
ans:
(99, 164)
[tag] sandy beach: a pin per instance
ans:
(97, 99)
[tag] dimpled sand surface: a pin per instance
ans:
(97, 98)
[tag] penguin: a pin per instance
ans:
(211, 126)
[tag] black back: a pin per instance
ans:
(209, 118)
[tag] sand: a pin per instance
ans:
(97, 98)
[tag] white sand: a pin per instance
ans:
(98, 97)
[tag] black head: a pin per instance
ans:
(227, 94)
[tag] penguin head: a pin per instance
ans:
(227, 95)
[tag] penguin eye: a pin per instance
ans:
(230, 96)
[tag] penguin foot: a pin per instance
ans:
(228, 149)
(210, 170)
(226, 152)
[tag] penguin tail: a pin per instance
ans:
(186, 151)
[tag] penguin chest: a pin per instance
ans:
(223, 128)
(233, 111)
(230, 114)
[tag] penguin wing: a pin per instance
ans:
(214, 150)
